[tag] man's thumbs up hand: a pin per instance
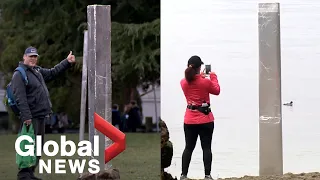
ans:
(71, 58)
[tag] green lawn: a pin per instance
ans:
(140, 160)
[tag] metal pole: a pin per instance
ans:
(84, 86)
(91, 79)
(155, 106)
(99, 41)
(270, 115)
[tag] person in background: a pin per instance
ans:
(50, 122)
(134, 120)
(116, 116)
(63, 122)
(198, 119)
(124, 118)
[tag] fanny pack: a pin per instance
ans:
(204, 108)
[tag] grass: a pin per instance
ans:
(140, 160)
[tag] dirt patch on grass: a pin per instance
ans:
(287, 176)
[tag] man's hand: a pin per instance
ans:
(71, 58)
(28, 122)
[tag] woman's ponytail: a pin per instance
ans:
(190, 74)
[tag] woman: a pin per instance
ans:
(124, 118)
(198, 119)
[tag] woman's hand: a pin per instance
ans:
(203, 74)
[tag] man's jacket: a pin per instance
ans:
(33, 99)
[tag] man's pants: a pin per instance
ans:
(39, 129)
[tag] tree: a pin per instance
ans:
(137, 62)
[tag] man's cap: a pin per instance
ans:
(195, 61)
(31, 51)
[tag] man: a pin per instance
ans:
(116, 117)
(134, 120)
(33, 99)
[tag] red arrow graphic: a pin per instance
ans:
(118, 137)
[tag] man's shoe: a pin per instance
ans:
(33, 177)
(23, 176)
(208, 177)
(183, 177)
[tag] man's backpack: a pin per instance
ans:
(10, 97)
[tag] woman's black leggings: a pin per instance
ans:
(191, 132)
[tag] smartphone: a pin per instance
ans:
(208, 69)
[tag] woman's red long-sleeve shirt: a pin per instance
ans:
(196, 92)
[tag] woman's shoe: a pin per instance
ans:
(208, 177)
(183, 177)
